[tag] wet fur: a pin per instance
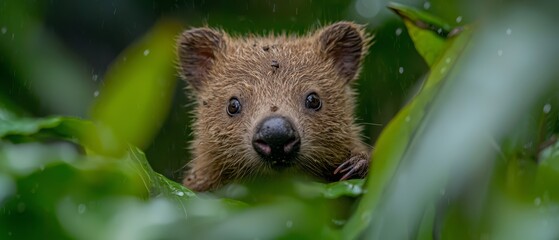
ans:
(218, 67)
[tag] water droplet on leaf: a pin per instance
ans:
(289, 224)
(537, 201)
(82, 208)
(547, 108)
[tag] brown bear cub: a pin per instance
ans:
(273, 104)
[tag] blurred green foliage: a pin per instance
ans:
(473, 152)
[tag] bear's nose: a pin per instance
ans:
(276, 141)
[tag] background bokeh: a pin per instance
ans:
(467, 138)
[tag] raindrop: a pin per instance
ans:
(95, 77)
(447, 60)
(4, 30)
(458, 19)
(443, 69)
(398, 31)
(537, 201)
(367, 9)
(427, 5)
(180, 194)
(401, 70)
(509, 31)
(274, 8)
(289, 224)
(338, 222)
(408, 119)
(356, 189)
(440, 30)
(96, 93)
(146, 52)
(82, 208)
(500, 52)
(547, 108)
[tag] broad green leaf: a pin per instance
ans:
(422, 18)
(138, 90)
(26, 127)
(429, 33)
(68, 128)
(351, 188)
(40, 176)
(398, 135)
(76, 129)
(346, 188)
(155, 183)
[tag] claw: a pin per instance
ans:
(355, 165)
(348, 174)
(343, 167)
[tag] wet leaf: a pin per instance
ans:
(548, 173)
(45, 174)
(155, 183)
(67, 128)
(138, 90)
(350, 188)
(429, 33)
(398, 135)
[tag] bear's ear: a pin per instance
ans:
(345, 43)
(197, 51)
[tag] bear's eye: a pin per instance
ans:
(234, 106)
(312, 101)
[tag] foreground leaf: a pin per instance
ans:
(428, 32)
(397, 137)
(138, 91)
(68, 128)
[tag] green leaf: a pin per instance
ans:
(548, 173)
(350, 188)
(399, 134)
(39, 176)
(68, 128)
(429, 33)
(138, 90)
(422, 18)
(155, 183)
(27, 127)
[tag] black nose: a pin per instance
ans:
(276, 140)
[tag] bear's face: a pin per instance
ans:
(271, 104)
